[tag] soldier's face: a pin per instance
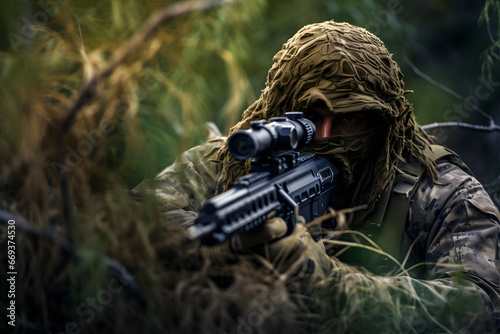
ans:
(330, 124)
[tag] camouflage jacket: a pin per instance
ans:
(452, 225)
(458, 224)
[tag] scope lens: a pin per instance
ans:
(242, 146)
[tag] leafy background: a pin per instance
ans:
(227, 54)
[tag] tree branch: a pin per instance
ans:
(149, 27)
(476, 127)
(491, 127)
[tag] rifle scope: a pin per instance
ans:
(265, 138)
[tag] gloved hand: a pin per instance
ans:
(296, 254)
(246, 243)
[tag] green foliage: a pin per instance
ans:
(490, 16)
(195, 76)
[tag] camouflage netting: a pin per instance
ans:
(348, 69)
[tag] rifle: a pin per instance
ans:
(282, 181)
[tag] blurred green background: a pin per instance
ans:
(230, 49)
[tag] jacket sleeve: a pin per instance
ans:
(456, 226)
(180, 189)
(453, 287)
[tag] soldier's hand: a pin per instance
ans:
(247, 242)
(296, 253)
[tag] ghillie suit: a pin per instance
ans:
(347, 69)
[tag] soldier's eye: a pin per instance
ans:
(353, 119)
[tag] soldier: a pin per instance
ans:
(416, 197)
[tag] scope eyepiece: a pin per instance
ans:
(280, 134)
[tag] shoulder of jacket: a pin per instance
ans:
(441, 154)
(437, 152)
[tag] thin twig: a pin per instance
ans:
(429, 79)
(482, 128)
(487, 128)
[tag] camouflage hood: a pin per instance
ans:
(348, 69)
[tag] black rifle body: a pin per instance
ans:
(304, 186)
